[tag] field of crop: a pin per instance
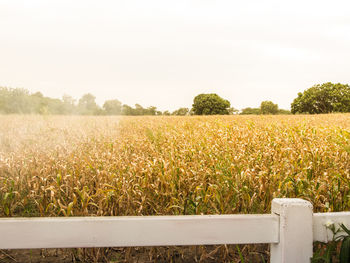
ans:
(103, 166)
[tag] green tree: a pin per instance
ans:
(139, 110)
(38, 103)
(268, 107)
(210, 104)
(152, 110)
(87, 105)
(45, 105)
(324, 98)
(283, 112)
(250, 111)
(68, 105)
(16, 101)
(127, 110)
(4, 94)
(112, 107)
(232, 111)
(181, 112)
(54, 106)
(22, 102)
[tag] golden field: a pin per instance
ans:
(104, 166)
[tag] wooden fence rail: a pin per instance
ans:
(291, 229)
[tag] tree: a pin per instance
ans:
(16, 101)
(181, 112)
(210, 104)
(112, 107)
(51, 106)
(87, 105)
(3, 99)
(250, 111)
(232, 111)
(38, 103)
(139, 110)
(127, 110)
(151, 110)
(268, 107)
(324, 98)
(283, 112)
(68, 106)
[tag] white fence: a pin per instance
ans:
(291, 229)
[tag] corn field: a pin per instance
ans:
(116, 166)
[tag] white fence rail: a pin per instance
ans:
(320, 232)
(138, 231)
(291, 229)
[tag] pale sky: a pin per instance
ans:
(163, 53)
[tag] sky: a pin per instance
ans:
(163, 53)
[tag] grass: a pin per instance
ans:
(104, 166)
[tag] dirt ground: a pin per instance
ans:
(35, 255)
(187, 254)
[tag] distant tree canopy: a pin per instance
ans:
(88, 106)
(284, 112)
(250, 111)
(139, 110)
(210, 104)
(112, 107)
(320, 98)
(232, 111)
(268, 107)
(21, 101)
(68, 105)
(181, 112)
(325, 98)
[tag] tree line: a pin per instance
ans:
(21, 101)
(320, 98)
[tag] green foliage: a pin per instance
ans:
(112, 107)
(181, 112)
(139, 110)
(210, 104)
(324, 98)
(283, 112)
(87, 105)
(68, 106)
(21, 101)
(127, 110)
(337, 250)
(232, 111)
(250, 111)
(15, 101)
(268, 107)
(151, 111)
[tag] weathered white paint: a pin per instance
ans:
(295, 244)
(19, 233)
(321, 233)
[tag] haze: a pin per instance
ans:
(163, 53)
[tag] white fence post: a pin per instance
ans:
(296, 237)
